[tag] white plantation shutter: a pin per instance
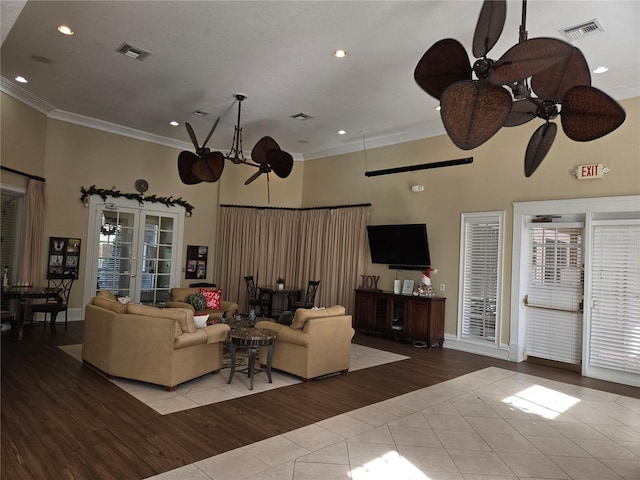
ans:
(481, 265)
(555, 292)
(615, 291)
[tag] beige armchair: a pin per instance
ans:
(317, 343)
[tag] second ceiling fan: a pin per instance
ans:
(207, 166)
(539, 77)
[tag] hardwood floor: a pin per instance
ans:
(62, 420)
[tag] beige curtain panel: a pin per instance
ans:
(31, 255)
(299, 245)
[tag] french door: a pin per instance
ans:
(134, 251)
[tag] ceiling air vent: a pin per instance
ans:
(130, 51)
(578, 31)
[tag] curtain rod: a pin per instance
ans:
(298, 209)
(33, 177)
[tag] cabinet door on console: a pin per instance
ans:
(418, 320)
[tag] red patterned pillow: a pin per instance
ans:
(212, 297)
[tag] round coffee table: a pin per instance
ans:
(252, 339)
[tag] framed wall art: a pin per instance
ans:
(64, 257)
(196, 261)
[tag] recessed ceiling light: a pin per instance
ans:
(21, 79)
(341, 132)
(601, 69)
(340, 53)
(65, 30)
(174, 123)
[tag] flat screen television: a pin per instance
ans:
(404, 247)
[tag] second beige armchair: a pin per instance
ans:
(317, 343)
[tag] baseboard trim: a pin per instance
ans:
(453, 343)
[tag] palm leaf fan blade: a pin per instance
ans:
(522, 112)
(588, 113)
(186, 161)
(489, 26)
(472, 112)
(209, 167)
(539, 146)
(254, 176)
(259, 151)
(192, 135)
(553, 83)
(445, 63)
(281, 162)
(528, 58)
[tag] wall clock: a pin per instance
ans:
(141, 185)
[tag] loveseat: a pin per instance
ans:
(318, 342)
(179, 298)
(155, 345)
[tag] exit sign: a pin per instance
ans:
(594, 170)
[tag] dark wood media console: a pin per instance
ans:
(404, 317)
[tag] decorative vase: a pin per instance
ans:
(281, 286)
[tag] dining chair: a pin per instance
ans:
(7, 315)
(255, 298)
(309, 299)
(50, 306)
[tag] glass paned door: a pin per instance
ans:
(134, 251)
(116, 262)
(157, 262)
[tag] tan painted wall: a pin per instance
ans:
(491, 183)
(22, 140)
(71, 156)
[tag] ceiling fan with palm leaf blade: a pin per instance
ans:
(473, 111)
(204, 165)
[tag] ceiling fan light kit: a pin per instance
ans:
(539, 77)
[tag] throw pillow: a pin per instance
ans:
(212, 297)
(197, 301)
(286, 318)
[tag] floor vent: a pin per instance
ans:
(130, 51)
(578, 31)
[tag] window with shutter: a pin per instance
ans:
(480, 276)
(555, 292)
(10, 250)
(614, 343)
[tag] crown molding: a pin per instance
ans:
(117, 129)
(25, 97)
(420, 133)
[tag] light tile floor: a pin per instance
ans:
(210, 389)
(490, 424)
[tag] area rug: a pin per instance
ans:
(210, 389)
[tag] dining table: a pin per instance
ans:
(285, 296)
(21, 297)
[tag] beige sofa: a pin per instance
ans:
(178, 299)
(318, 342)
(155, 345)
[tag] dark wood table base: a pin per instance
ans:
(252, 339)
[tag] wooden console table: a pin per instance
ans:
(404, 317)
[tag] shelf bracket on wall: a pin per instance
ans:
(424, 166)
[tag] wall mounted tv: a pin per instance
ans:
(403, 247)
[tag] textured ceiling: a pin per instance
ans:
(280, 55)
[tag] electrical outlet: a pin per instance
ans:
(442, 287)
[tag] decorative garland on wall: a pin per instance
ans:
(104, 193)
